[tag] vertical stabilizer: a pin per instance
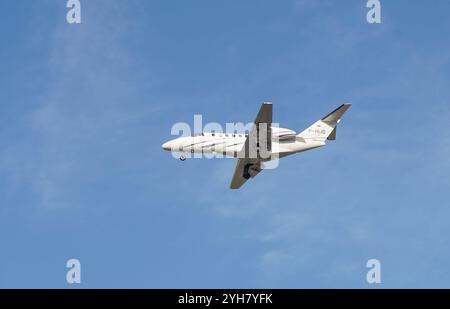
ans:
(325, 128)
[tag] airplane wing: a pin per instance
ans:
(257, 148)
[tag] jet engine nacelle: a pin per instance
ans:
(283, 134)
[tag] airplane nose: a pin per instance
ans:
(166, 146)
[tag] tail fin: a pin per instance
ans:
(325, 128)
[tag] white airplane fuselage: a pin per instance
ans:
(284, 142)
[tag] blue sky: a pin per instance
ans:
(85, 108)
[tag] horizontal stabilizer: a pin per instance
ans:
(332, 136)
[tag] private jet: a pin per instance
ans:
(263, 143)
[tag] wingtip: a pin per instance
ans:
(234, 187)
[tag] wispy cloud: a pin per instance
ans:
(389, 134)
(87, 109)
